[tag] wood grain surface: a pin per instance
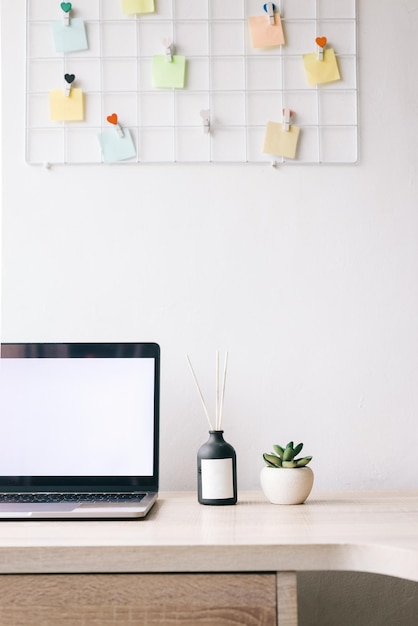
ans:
(138, 600)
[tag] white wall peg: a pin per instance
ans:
(205, 115)
(169, 49)
(269, 9)
(287, 115)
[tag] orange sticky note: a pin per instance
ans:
(325, 71)
(281, 142)
(64, 108)
(263, 34)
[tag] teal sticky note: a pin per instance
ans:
(166, 74)
(70, 38)
(115, 148)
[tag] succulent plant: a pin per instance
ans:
(286, 457)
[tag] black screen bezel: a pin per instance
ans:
(89, 483)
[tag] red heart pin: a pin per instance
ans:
(112, 119)
(321, 41)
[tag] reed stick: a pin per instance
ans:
(223, 392)
(200, 392)
(217, 390)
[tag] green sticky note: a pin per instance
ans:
(137, 6)
(168, 75)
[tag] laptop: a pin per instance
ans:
(79, 430)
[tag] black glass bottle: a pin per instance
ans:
(216, 471)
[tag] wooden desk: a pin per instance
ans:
(188, 564)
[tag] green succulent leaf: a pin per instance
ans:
(289, 453)
(289, 464)
(297, 449)
(279, 450)
(303, 461)
(272, 460)
(286, 457)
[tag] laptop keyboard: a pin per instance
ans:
(70, 497)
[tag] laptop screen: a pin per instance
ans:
(79, 416)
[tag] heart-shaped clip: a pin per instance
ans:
(66, 7)
(169, 48)
(269, 8)
(321, 42)
(205, 115)
(69, 79)
(113, 119)
(287, 116)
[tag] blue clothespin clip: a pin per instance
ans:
(269, 8)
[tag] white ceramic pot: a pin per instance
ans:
(283, 485)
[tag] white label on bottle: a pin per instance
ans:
(217, 479)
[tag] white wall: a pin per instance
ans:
(306, 275)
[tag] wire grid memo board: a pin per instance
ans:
(241, 87)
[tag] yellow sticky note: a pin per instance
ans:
(138, 6)
(64, 108)
(325, 71)
(166, 74)
(263, 34)
(281, 142)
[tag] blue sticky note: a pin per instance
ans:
(115, 148)
(70, 38)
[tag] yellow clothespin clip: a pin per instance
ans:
(66, 7)
(169, 49)
(321, 43)
(69, 79)
(269, 9)
(287, 115)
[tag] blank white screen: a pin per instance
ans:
(77, 417)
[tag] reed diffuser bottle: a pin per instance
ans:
(216, 459)
(216, 471)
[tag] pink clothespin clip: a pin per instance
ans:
(287, 116)
(113, 119)
(321, 42)
(169, 49)
(269, 9)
